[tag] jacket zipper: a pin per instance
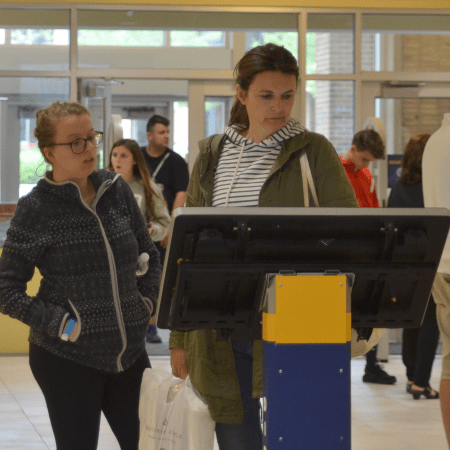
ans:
(112, 265)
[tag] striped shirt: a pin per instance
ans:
(244, 165)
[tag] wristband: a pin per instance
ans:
(69, 328)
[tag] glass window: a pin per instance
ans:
(330, 111)
(406, 117)
(181, 128)
(330, 44)
(288, 39)
(217, 114)
(401, 42)
(39, 37)
(174, 40)
(39, 40)
(121, 38)
(22, 164)
(197, 39)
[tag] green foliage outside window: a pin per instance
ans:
(32, 165)
(32, 37)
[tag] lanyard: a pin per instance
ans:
(160, 165)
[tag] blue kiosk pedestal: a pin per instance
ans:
(306, 357)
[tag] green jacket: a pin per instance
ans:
(211, 362)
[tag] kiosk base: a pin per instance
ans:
(307, 383)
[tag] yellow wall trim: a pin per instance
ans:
(380, 4)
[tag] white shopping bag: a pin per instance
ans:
(172, 414)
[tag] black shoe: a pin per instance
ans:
(378, 375)
(427, 393)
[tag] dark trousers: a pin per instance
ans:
(419, 347)
(248, 435)
(76, 395)
(371, 358)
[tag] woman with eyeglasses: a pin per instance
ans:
(83, 230)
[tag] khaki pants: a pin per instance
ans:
(441, 295)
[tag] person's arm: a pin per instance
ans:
(178, 358)
(24, 246)
(161, 222)
(180, 200)
(148, 284)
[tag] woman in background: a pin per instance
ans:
(419, 344)
(126, 158)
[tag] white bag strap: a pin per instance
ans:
(160, 165)
(307, 181)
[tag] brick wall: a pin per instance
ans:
(334, 105)
(424, 53)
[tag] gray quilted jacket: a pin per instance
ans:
(87, 257)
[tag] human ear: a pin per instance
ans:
(48, 154)
(241, 94)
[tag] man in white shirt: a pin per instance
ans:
(436, 191)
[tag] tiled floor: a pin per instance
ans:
(383, 417)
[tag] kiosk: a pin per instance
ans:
(300, 279)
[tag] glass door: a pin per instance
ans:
(210, 104)
(96, 96)
(406, 110)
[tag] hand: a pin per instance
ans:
(178, 361)
(153, 320)
(150, 228)
(163, 243)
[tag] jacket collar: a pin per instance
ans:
(211, 148)
(68, 190)
(295, 144)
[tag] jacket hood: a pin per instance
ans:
(68, 189)
(291, 129)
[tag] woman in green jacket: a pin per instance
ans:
(256, 162)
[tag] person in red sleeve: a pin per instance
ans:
(367, 146)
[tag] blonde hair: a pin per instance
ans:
(46, 120)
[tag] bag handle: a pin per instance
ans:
(307, 180)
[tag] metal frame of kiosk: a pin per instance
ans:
(300, 279)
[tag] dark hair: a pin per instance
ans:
(47, 119)
(269, 57)
(154, 120)
(370, 141)
(140, 169)
(412, 159)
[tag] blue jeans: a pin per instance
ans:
(247, 435)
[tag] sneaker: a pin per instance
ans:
(378, 375)
(152, 335)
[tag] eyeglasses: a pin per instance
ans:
(79, 145)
